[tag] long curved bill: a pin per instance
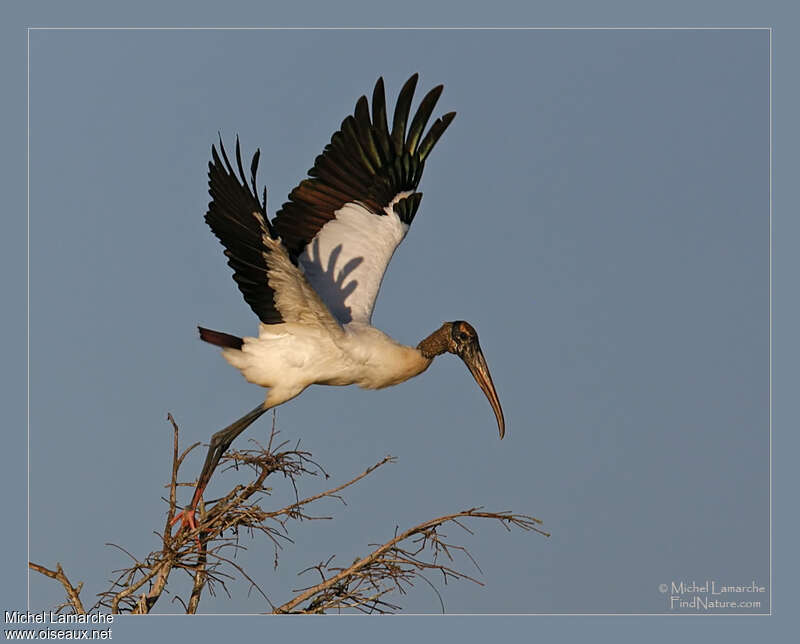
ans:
(476, 363)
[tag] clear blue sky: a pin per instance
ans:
(599, 210)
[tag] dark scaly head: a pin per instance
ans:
(461, 338)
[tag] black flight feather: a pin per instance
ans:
(230, 216)
(364, 163)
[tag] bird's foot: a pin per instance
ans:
(187, 519)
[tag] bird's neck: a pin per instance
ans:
(436, 343)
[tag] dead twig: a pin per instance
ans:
(390, 566)
(73, 592)
(393, 566)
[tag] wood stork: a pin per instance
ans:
(312, 274)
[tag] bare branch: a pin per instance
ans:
(173, 481)
(393, 564)
(73, 592)
(364, 586)
(199, 581)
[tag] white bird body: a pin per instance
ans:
(321, 342)
(312, 274)
(289, 357)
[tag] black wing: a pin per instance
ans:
(364, 162)
(230, 216)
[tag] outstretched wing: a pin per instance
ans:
(342, 225)
(271, 283)
(233, 215)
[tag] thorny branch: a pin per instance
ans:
(392, 566)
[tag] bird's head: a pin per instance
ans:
(462, 340)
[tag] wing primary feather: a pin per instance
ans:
(243, 262)
(239, 162)
(364, 128)
(350, 128)
(401, 113)
(379, 120)
(406, 168)
(230, 213)
(225, 155)
(437, 129)
(215, 160)
(254, 170)
(368, 166)
(420, 119)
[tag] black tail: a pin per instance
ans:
(220, 339)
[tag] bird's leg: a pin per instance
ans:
(217, 446)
